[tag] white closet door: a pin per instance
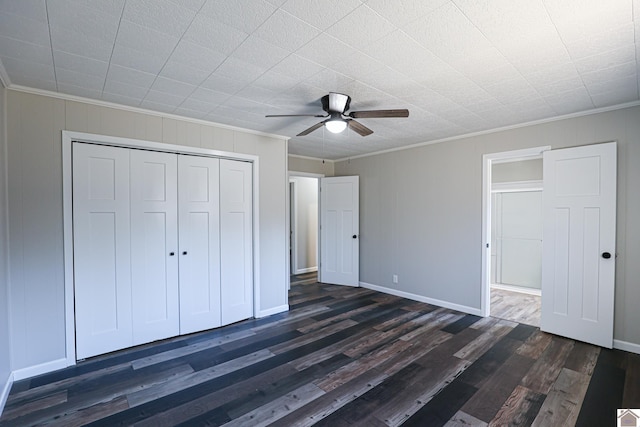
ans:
(236, 226)
(154, 245)
(102, 262)
(199, 208)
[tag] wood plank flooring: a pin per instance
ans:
(304, 278)
(341, 357)
(516, 306)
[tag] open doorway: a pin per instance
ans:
(516, 240)
(303, 226)
(512, 232)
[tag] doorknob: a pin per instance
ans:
(606, 255)
(355, 236)
(184, 253)
(172, 253)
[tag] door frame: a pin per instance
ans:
(291, 174)
(488, 160)
(292, 228)
(68, 137)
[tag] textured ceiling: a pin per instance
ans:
(459, 66)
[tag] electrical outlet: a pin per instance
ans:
(395, 278)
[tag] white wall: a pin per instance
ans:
(421, 210)
(305, 223)
(5, 343)
(36, 282)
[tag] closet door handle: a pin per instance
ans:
(184, 253)
(172, 253)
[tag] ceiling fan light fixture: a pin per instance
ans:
(336, 125)
(336, 105)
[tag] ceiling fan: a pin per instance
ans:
(336, 106)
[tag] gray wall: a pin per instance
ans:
(305, 164)
(306, 222)
(35, 207)
(421, 210)
(5, 343)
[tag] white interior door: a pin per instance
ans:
(198, 181)
(339, 230)
(578, 259)
(236, 240)
(154, 242)
(102, 261)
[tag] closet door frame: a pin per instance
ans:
(68, 138)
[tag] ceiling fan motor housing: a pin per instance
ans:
(335, 102)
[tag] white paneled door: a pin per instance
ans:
(199, 224)
(154, 243)
(578, 258)
(236, 247)
(339, 230)
(163, 245)
(102, 260)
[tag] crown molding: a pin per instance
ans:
(298, 156)
(140, 110)
(4, 78)
(496, 130)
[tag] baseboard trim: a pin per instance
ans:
(420, 298)
(520, 289)
(306, 270)
(271, 311)
(43, 368)
(626, 346)
(4, 394)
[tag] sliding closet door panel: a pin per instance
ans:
(236, 225)
(198, 180)
(102, 263)
(154, 245)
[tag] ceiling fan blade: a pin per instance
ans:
(295, 115)
(371, 114)
(336, 102)
(359, 128)
(311, 129)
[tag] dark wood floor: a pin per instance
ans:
(342, 356)
(304, 278)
